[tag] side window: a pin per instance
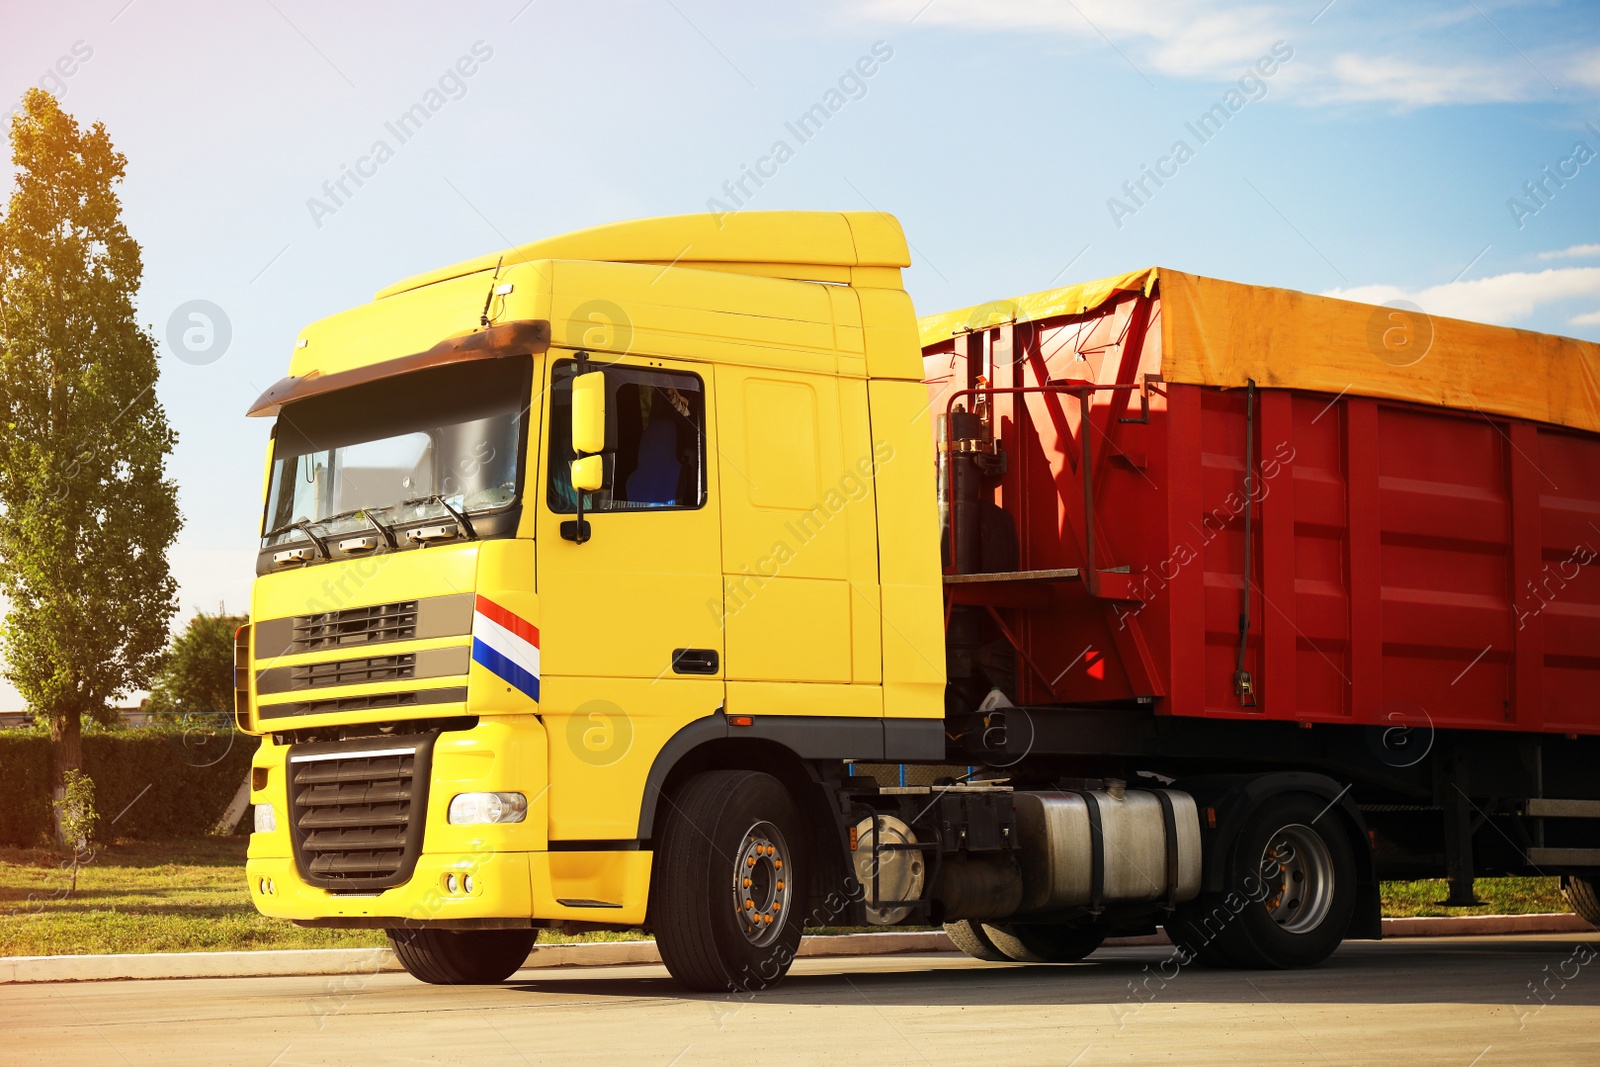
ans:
(655, 454)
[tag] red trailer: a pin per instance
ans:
(1299, 534)
(1420, 524)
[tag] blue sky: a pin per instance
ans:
(1384, 156)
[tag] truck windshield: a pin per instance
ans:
(413, 447)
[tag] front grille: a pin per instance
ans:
(355, 626)
(424, 618)
(455, 694)
(357, 811)
(354, 671)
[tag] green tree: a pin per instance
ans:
(87, 513)
(76, 813)
(197, 674)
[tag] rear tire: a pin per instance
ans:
(1045, 943)
(727, 882)
(462, 957)
(1582, 896)
(1290, 878)
(973, 938)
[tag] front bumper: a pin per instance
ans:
(501, 889)
(508, 889)
(515, 876)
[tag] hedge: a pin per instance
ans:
(153, 782)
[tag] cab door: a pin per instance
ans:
(630, 617)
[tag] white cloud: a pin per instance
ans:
(1414, 83)
(1585, 69)
(1574, 252)
(1588, 318)
(1502, 299)
(1184, 38)
(1424, 55)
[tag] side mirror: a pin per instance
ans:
(588, 441)
(588, 417)
(588, 474)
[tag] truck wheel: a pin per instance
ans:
(1046, 943)
(462, 957)
(726, 882)
(1583, 898)
(1194, 927)
(1290, 877)
(973, 938)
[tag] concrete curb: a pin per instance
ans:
(1479, 925)
(362, 961)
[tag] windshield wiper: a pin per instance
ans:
(459, 516)
(304, 526)
(386, 531)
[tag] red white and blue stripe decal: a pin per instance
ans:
(506, 644)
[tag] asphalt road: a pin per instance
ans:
(1459, 1003)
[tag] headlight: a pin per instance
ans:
(468, 808)
(266, 819)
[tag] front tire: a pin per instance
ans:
(726, 882)
(462, 957)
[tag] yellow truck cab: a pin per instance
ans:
(490, 702)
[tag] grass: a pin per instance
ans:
(190, 896)
(185, 896)
(1500, 896)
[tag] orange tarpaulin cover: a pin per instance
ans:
(1225, 334)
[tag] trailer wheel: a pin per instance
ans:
(1046, 943)
(973, 938)
(1582, 896)
(1290, 893)
(462, 957)
(726, 882)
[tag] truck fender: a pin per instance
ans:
(1234, 797)
(800, 737)
(699, 732)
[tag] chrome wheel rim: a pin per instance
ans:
(762, 884)
(1297, 870)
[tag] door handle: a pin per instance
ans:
(694, 661)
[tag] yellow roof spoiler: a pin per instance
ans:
(809, 238)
